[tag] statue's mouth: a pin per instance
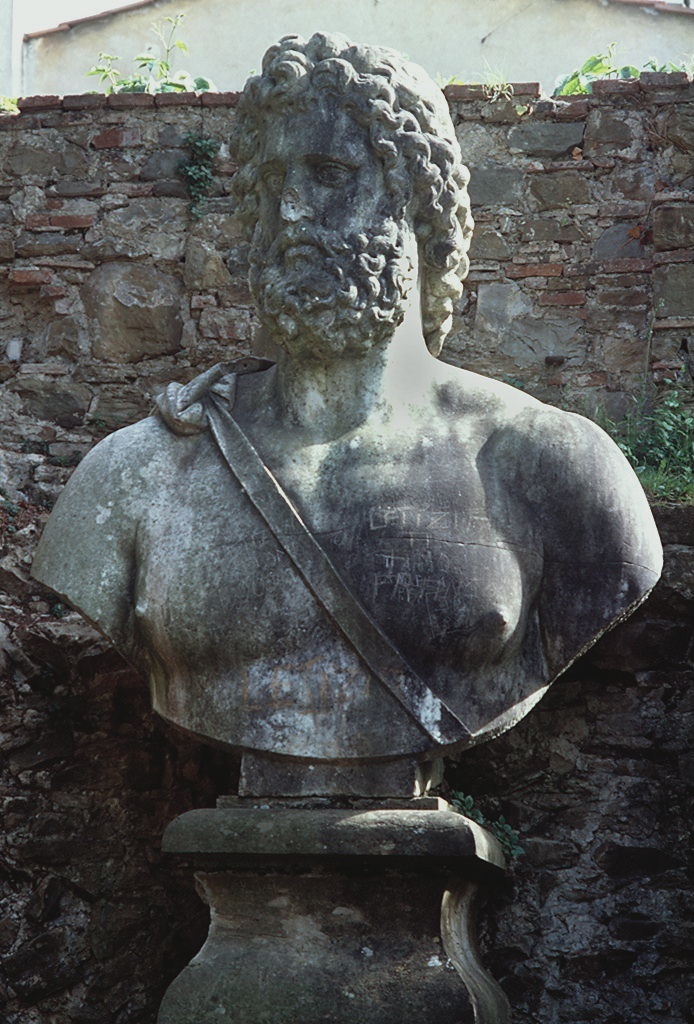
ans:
(297, 256)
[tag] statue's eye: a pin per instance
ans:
(333, 174)
(272, 180)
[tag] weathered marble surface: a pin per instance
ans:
(347, 938)
(492, 538)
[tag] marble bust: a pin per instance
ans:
(357, 551)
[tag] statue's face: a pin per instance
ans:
(319, 168)
(331, 268)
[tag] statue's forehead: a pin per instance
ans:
(323, 127)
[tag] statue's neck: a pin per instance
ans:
(334, 393)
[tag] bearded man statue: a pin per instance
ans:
(357, 552)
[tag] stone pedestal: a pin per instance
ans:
(324, 916)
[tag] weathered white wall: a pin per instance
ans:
(520, 40)
(6, 47)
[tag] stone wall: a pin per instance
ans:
(582, 283)
(581, 290)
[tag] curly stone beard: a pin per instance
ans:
(318, 290)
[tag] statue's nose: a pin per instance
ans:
(293, 206)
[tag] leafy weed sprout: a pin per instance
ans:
(658, 441)
(155, 72)
(197, 171)
(506, 835)
(603, 65)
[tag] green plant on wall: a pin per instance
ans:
(507, 836)
(493, 83)
(604, 65)
(155, 72)
(8, 106)
(595, 68)
(197, 170)
(669, 67)
(658, 441)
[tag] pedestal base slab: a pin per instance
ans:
(363, 919)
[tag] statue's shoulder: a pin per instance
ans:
(556, 441)
(135, 458)
(509, 418)
(465, 396)
(87, 550)
(145, 438)
(559, 465)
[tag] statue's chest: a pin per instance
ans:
(409, 533)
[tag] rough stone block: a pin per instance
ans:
(44, 966)
(502, 110)
(129, 100)
(63, 159)
(624, 354)
(219, 99)
(607, 129)
(163, 163)
(559, 190)
(118, 405)
(173, 187)
(618, 242)
(625, 265)
(84, 101)
(30, 277)
(616, 87)
(568, 298)
(673, 227)
(150, 227)
(72, 221)
(519, 270)
(676, 527)
(225, 324)
(117, 138)
(505, 317)
(673, 290)
(546, 139)
(679, 127)
(51, 746)
(624, 210)
(550, 229)
(660, 79)
(526, 89)
(47, 243)
(37, 221)
(131, 189)
(31, 103)
(623, 296)
(489, 244)
(674, 256)
(57, 401)
(136, 311)
(70, 188)
(495, 185)
(61, 337)
(574, 110)
(176, 99)
(201, 301)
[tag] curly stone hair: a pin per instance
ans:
(411, 131)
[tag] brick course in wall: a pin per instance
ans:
(582, 291)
